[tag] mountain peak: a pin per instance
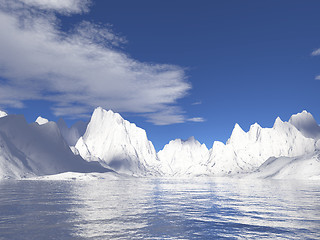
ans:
(277, 122)
(306, 124)
(3, 114)
(40, 120)
(61, 122)
(118, 143)
(100, 113)
(71, 135)
(237, 134)
(255, 126)
(190, 140)
(302, 118)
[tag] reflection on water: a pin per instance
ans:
(200, 208)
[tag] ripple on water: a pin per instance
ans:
(200, 208)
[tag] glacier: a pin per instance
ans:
(111, 145)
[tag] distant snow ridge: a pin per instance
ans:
(119, 144)
(40, 120)
(180, 157)
(72, 134)
(243, 152)
(3, 114)
(287, 150)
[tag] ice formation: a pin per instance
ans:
(108, 143)
(118, 144)
(71, 135)
(40, 120)
(33, 149)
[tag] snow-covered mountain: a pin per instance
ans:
(72, 134)
(119, 144)
(42, 148)
(33, 149)
(306, 167)
(246, 151)
(3, 114)
(185, 158)
(306, 124)
(40, 120)
(13, 163)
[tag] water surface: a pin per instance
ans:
(201, 208)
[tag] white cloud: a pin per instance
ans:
(167, 116)
(196, 119)
(61, 6)
(82, 70)
(197, 103)
(316, 52)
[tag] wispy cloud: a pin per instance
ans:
(82, 69)
(61, 6)
(196, 119)
(197, 103)
(168, 116)
(316, 52)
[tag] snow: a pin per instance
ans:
(75, 176)
(3, 114)
(40, 120)
(13, 163)
(33, 149)
(304, 167)
(246, 151)
(306, 124)
(243, 152)
(71, 135)
(110, 145)
(118, 144)
(184, 157)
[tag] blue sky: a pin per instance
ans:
(187, 68)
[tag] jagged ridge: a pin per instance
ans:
(43, 148)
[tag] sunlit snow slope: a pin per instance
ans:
(305, 167)
(119, 144)
(287, 150)
(244, 151)
(181, 157)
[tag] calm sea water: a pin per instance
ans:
(160, 209)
